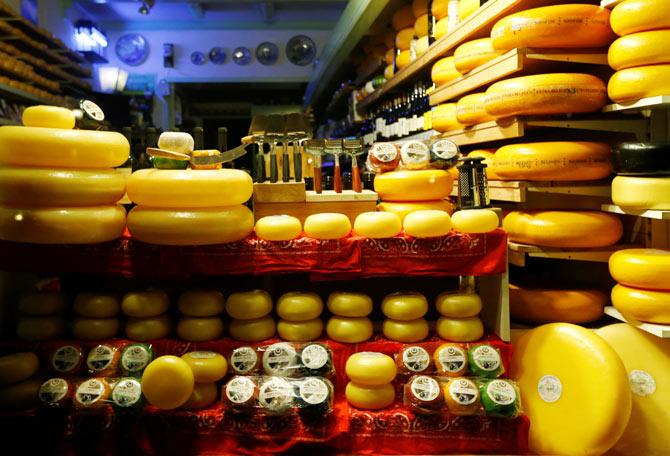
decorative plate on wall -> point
(132, 49)
(242, 56)
(267, 53)
(198, 58)
(217, 55)
(301, 50)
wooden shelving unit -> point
(517, 191)
(662, 331)
(658, 102)
(657, 215)
(20, 95)
(517, 253)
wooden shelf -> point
(610, 3)
(517, 191)
(20, 95)
(659, 102)
(657, 330)
(658, 215)
(517, 253)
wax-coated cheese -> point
(421, 45)
(500, 398)
(145, 303)
(648, 269)
(645, 305)
(19, 396)
(176, 141)
(565, 371)
(641, 193)
(466, 329)
(421, 185)
(327, 225)
(389, 57)
(421, 25)
(472, 54)
(17, 367)
(377, 225)
(42, 303)
(461, 396)
(485, 361)
(369, 397)
(48, 116)
(252, 330)
(634, 16)
(444, 118)
(402, 18)
(38, 329)
(278, 228)
(207, 366)
(127, 394)
(55, 392)
(471, 109)
(639, 82)
(66, 359)
(300, 331)
(388, 72)
(406, 331)
(444, 71)
(247, 305)
(639, 49)
(199, 329)
(148, 328)
(168, 382)
(92, 395)
(489, 160)
(543, 305)
(135, 358)
(299, 306)
(96, 305)
(475, 220)
(404, 38)
(401, 209)
(403, 59)
(103, 360)
(426, 224)
(204, 395)
(451, 360)
(348, 304)
(458, 304)
(95, 328)
(349, 330)
(413, 359)
(370, 368)
(405, 305)
(201, 303)
(423, 394)
(438, 8)
(441, 27)
(244, 360)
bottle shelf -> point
(657, 330)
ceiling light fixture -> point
(146, 7)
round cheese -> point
(207, 366)
(403, 59)
(95, 328)
(349, 330)
(443, 118)
(41, 303)
(438, 8)
(441, 27)
(421, 25)
(280, 359)
(458, 304)
(485, 361)
(402, 209)
(48, 117)
(406, 331)
(127, 394)
(66, 359)
(413, 359)
(541, 305)
(20, 396)
(276, 395)
(641, 193)
(252, 330)
(168, 382)
(645, 158)
(471, 110)
(92, 394)
(389, 56)
(240, 393)
(17, 367)
(370, 368)
(388, 71)
(367, 397)
(317, 359)
(148, 328)
(176, 141)
(634, 16)
(299, 306)
(648, 269)
(489, 160)
(197, 329)
(426, 224)
(327, 225)
(55, 392)
(639, 49)
(451, 360)
(422, 185)
(95, 305)
(201, 303)
(204, 395)
(39, 329)
(135, 358)
(404, 38)
(383, 157)
(348, 304)
(278, 228)
(247, 305)
(244, 360)
(475, 220)
(500, 398)
(444, 71)
(300, 331)
(405, 305)
(472, 54)
(421, 45)
(462, 397)
(145, 303)
(402, 18)
(466, 329)
(423, 394)
(640, 82)
(414, 155)
(643, 305)
(103, 361)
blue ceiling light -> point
(90, 41)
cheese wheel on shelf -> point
(458, 304)
(389, 56)
(95, 328)
(641, 158)
(467, 7)
(421, 45)
(403, 59)
(569, 229)
(444, 71)
(41, 303)
(388, 72)
(204, 395)
(438, 8)
(472, 54)
(207, 366)
(471, 110)
(201, 303)
(644, 305)
(252, 330)
(199, 329)
(554, 27)
(377, 225)
(371, 368)
(20, 396)
(406, 331)
(641, 193)
(167, 382)
(444, 118)
(59, 148)
(348, 304)
(441, 28)
(247, 305)
(402, 18)
(564, 371)
(300, 331)
(148, 328)
(203, 226)
(426, 224)
(489, 160)
(327, 225)
(421, 25)
(17, 367)
(405, 305)
(145, 303)
(554, 93)
(546, 305)
(640, 82)
(404, 38)
(62, 225)
(475, 220)
(278, 228)
(421, 185)
(639, 49)
(648, 269)
(299, 306)
(634, 16)
(401, 209)
(38, 329)
(96, 305)
(467, 329)
(48, 117)
(369, 397)
(349, 330)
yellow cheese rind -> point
(48, 117)
(41, 303)
(247, 305)
(252, 330)
(201, 303)
(371, 368)
(167, 382)
(403, 59)
(377, 225)
(634, 16)
(348, 304)
(349, 330)
(204, 395)
(458, 305)
(422, 185)
(471, 110)
(426, 224)
(299, 306)
(640, 49)
(444, 71)
(207, 366)
(467, 329)
(96, 305)
(388, 72)
(406, 331)
(489, 158)
(444, 118)
(300, 331)
(648, 269)
(199, 329)
(421, 24)
(643, 305)
(404, 38)
(421, 45)
(472, 54)
(369, 397)
(401, 209)
(327, 225)
(145, 303)
(95, 328)
(405, 305)
(39, 329)
(143, 329)
(17, 367)
(639, 82)
(278, 228)
(542, 305)
(475, 220)
(20, 396)
(641, 193)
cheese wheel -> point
(349, 330)
(451, 360)
(20, 396)
(389, 71)
(406, 331)
(176, 141)
(62, 225)
(103, 361)
(647, 361)
(148, 328)
(467, 7)
(207, 366)
(244, 360)
(404, 38)
(17, 367)
(299, 306)
(59, 148)
(421, 45)
(49, 117)
(460, 329)
(423, 394)
(569, 229)
(402, 18)
(367, 397)
(413, 359)
(421, 185)
(438, 8)
(389, 56)
(190, 227)
(489, 160)
(441, 28)
(135, 358)
(475, 220)
(648, 269)
(204, 395)
(472, 54)
(643, 305)
(278, 228)
(555, 93)
(145, 303)
(370, 368)
(300, 331)
(403, 59)
(565, 371)
(348, 304)
(252, 330)
(405, 305)
(66, 359)
(458, 304)
(444, 71)
(168, 382)
(640, 82)
(634, 16)
(327, 225)
(176, 188)
(38, 329)
(471, 110)
(641, 159)
(462, 397)
(541, 305)
(197, 329)
(421, 25)
(401, 209)
(556, 27)
(444, 118)
(425, 224)
(641, 193)
(377, 225)
(41, 303)
(639, 49)
(24, 186)
(201, 303)
(55, 392)
(247, 305)
(95, 328)
(96, 305)
(554, 161)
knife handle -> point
(297, 166)
(285, 167)
(260, 166)
(337, 178)
(317, 179)
(274, 173)
(356, 184)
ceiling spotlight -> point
(146, 7)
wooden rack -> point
(657, 330)
(517, 191)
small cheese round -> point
(460, 329)
(42, 303)
(299, 306)
(458, 305)
(315, 396)
(103, 360)
(407, 331)
(377, 225)
(145, 303)
(20, 396)
(254, 330)
(370, 368)
(348, 304)
(317, 359)
(500, 398)
(240, 393)
(280, 359)
(201, 303)
(404, 305)
(247, 305)
(428, 223)
(278, 228)
(149, 328)
(168, 382)
(475, 220)
(327, 225)
(244, 360)
(127, 394)
(349, 330)
(135, 358)
(55, 392)
(204, 395)
(424, 394)
(39, 329)
(95, 328)
(413, 359)
(176, 141)
(17, 367)
(451, 360)
(96, 305)
(92, 394)
(368, 397)
(66, 359)
(48, 117)
(485, 361)
(276, 395)
(207, 366)
(462, 397)
(300, 331)
(196, 329)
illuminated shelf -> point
(517, 191)
(517, 253)
(657, 330)
(658, 102)
(658, 215)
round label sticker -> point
(463, 391)
(425, 388)
(66, 358)
(135, 358)
(486, 358)
(641, 383)
(90, 392)
(314, 356)
(202, 354)
(243, 360)
(444, 149)
(414, 153)
(276, 394)
(279, 358)
(240, 390)
(501, 392)
(415, 359)
(452, 359)
(384, 152)
(314, 391)
(549, 388)
(92, 110)
(127, 392)
(53, 390)
(100, 357)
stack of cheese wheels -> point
(640, 57)
(405, 320)
(250, 311)
(168, 382)
(403, 24)
(147, 312)
(299, 314)
(459, 320)
(58, 185)
(552, 305)
(41, 316)
(643, 289)
(96, 316)
(371, 376)
(208, 367)
(201, 315)
(643, 176)
(18, 385)
(444, 71)
(349, 323)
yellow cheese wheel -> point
(300, 331)
(371, 368)
(542, 305)
(278, 228)
(425, 224)
(489, 160)
(472, 54)
(24, 186)
(389, 56)
(199, 329)
(405, 305)
(402, 18)
(467, 7)
(167, 382)
(148, 328)
(641, 193)
(403, 59)
(640, 82)
(467, 329)
(59, 148)
(176, 141)
(145, 303)
(252, 330)
(38, 329)
(565, 371)
(557, 27)
(563, 228)
(49, 117)
(475, 220)
(62, 225)
(648, 269)
(207, 366)
(349, 330)
(458, 304)
(204, 395)
(404, 38)
(377, 225)
(19, 396)
(555, 93)
(17, 367)
(202, 226)
(369, 397)
(299, 306)
(406, 331)
(95, 328)
(441, 28)
(471, 110)
(644, 305)
(327, 225)
(388, 72)
(634, 16)
(421, 25)
(247, 305)
(96, 305)
(639, 49)
(41, 303)
(421, 185)
(401, 209)
(444, 118)
(348, 304)
(438, 8)
(201, 303)
(647, 362)
(444, 71)
(421, 45)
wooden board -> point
(600, 254)
(329, 196)
(657, 330)
(517, 191)
(280, 192)
(658, 215)
(494, 291)
(301, 210)
(659, 102)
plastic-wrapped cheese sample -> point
(300, 331)
(244, 360)
(645, 305)
(634, 16)
(383, 157)
(413, 359)
(500, 398)
(207, 366)
(369, 397)
(96, 305)
(485, 361)
(204, 395)
(168, 382)
(460, 329)
(95, 328)
(648, 269)
(17, 367)
(401, 209)
(42, 303)
(348, 304)
(176, 141)
(451, 360)
(278, 228)
(327, 225)
(405, 305)
(444, 71)
(299, 306)
(55, 392)
(201, 303)
(59, 148)
(641, 193)
(639, 49)
(66, 359)
(414, 155)
(475, 220)
(472, 54)
(252, 330)
(458, 304)
(426, 224)
(639, 82)
(135, 358)
(48, 117)
(370, 368)
(423, 394)
(22, 395)
(62, 225)
(148, 328)
(563, 228)
(564, 371)
(202, 226)
(402, 18)
(145, 303)
(471, 109)
(240, 393)
(406, 331)
(542, 305)
(404, 38)
(103, 360)
(280, 359)
(444, 118)
(38, 329)
(349, 330)
(462, 397)
(422, 185)
(247, 305)
(196, 329)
